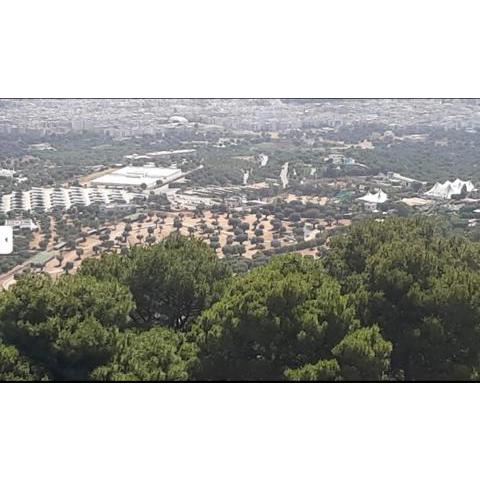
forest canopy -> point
(388, 301)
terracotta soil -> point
(162, 230)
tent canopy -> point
(379, 197)
(447, 189)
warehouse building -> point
(148, 175)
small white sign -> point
(6, 240)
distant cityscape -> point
(124, 118)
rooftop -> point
(135, 176)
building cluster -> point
(41, 199)
(120, 118)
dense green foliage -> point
(69, 326)
(155, 355)
(421, 287)
(391, 300)
(284, 315)
(15, 367)
(172, 282)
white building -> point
(46, 199)
(177, 119)
(162, 154)
(405, 181)
(136, 176)
(6, 173)
(22, 224)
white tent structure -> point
(379, 197)
(447, 189)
